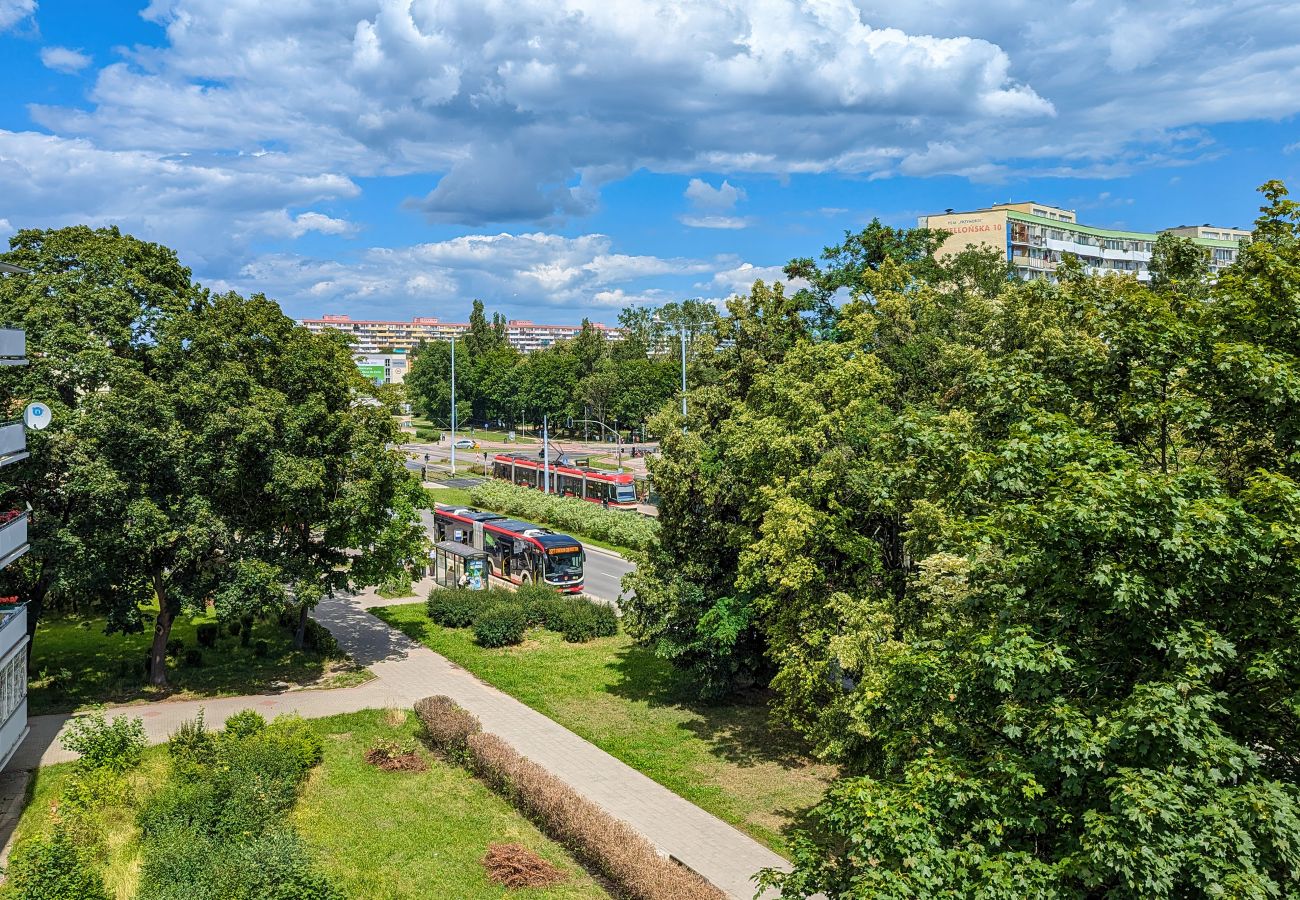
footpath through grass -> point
(76, 665)
(726, 758)
(378, 835)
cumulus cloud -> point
(64, 59)
(532, 274)
(521, 110)
(726, 222)
(14, 11)
(705, 196)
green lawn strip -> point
(398, 835)
(727, 758)
(459, 497)
(75, 665)
(381, 835)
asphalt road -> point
(602, 574)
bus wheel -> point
(524, 580)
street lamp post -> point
(683, 378)
(453, 406)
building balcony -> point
(1030, 262)
(13, 347)
(13, 536)
(13, 442)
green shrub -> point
(207, 633)
(261, 649)
(191, 741)
(193, 658)
(459, 607)
(115, 745)
(244, 723)
(175, 647)
(317, 637)
(582, 620)
(295, 736)
(234, 628)
(52, 868)
(621, 527)
(500, 625)
(273, 865)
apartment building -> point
(13, 544)
(373, 337)
(1035, 237)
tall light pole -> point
(546, 455)
(453, 407)
(683, 378)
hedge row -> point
(622, 527)
(499, 617)
(605, 843)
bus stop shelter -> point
(459, 565)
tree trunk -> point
(300, 633)
(35, 609)
(162, 632)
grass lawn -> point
(726, 758)
(403, 835)
(379, 835)
(77, 665)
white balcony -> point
(13, 442)
(13, 347)
(13, 539)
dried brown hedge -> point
(446, 725)
(516, 866)
(607, 844)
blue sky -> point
(561, 159)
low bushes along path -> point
(406, 671)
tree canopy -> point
(203, 450)
(1020, 556)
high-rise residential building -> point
(1035, 236)
(13, 544)
(372, 336)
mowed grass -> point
(403, 835)
(726, 758)
(75, 665)
(379, 835)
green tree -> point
(91, 307)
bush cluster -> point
(447, 726)
(52, 867)
(115, 746)
(216, 826)
(608, 845)
(621, 527)
(500, 617)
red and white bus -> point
(518, 552)
(613, 489)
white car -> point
(465, 444)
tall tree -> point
(91, 308)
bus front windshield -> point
(566, 564)
(626, 493)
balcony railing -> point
(13, 442)
(13, 347)
(13, 536)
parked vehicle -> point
(465, 444)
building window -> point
(13, 684)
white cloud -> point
(726, 222)
(738, 279)
(519, 110)
(14, 11)
(64, 59)
(531, 274)
(705, 196)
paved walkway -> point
(407, 671)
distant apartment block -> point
(371, 336)
(1035, 238)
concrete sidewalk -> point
(407, 671)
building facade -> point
(374, 336)
(13, 545)
(383, 368)
(1035, 237)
